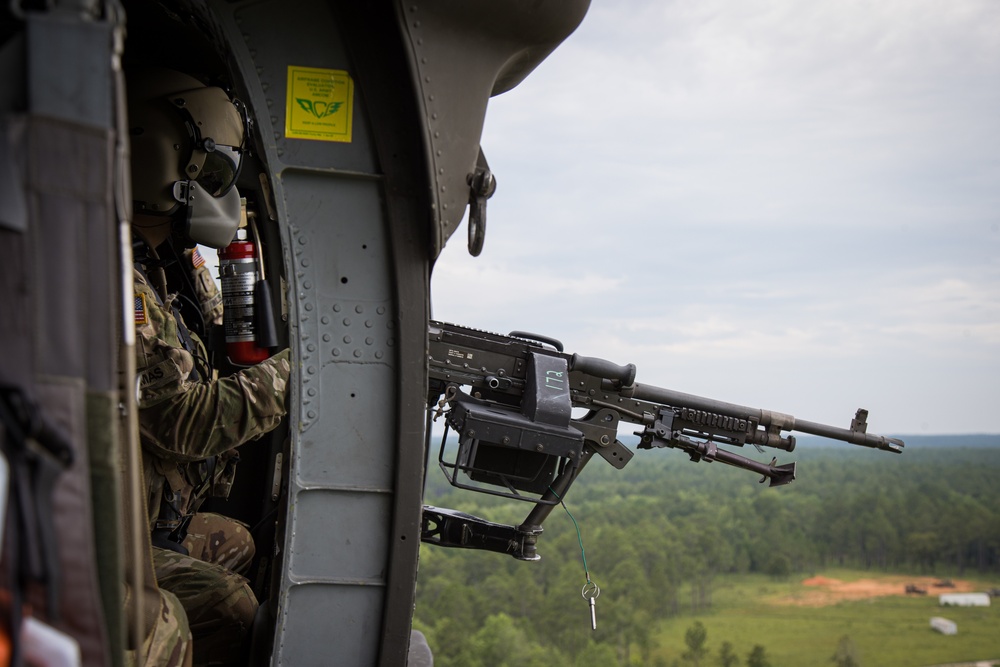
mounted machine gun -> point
(517, 436)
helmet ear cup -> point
(157, 138)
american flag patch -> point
(197, 259)
(140, 309)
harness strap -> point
(144, 259)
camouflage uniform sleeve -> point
(189, 420)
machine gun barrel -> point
(773, 421)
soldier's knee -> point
(242, 605)
(221, 540)
(227, 640)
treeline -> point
(664, 528)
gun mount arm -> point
(449, 528)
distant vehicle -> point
(915, 590)
(964, 600)
(944, 583)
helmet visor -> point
(222, 166)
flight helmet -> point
(187, 142)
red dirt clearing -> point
(823, 591)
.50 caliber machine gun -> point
(517, 436)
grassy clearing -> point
(887, 631)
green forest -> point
(665, 537)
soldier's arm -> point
(209, 418)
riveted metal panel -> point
(330, 452)
(342, 634)
(334, 208)
(280, 34)
(347, 538)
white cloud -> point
(735, 194)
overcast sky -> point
(789, 205)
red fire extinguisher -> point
(247, 316)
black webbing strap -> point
(143, 260)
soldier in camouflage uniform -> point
(191, 421)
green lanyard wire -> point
(579, 536)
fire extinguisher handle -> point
(265, 333)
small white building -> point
(944, 626)
(964, 600)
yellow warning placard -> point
(320, 104)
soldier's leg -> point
(218, 539)
(168, 642)
(219, 603)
